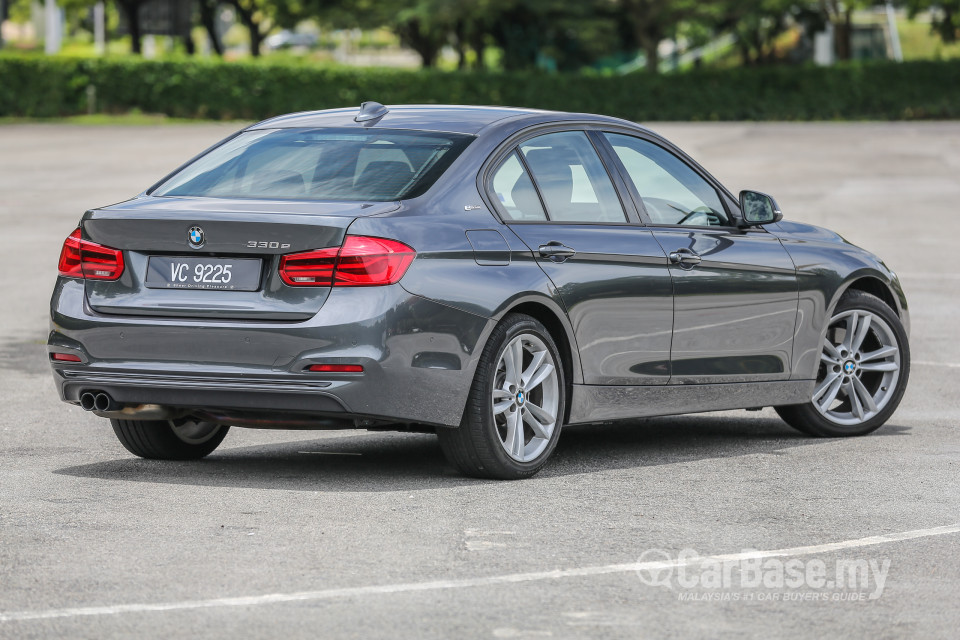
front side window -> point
(320, 164)
(672, 192)
(573, 182)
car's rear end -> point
(235, 293)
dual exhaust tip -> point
(102, 404)
(97, 401)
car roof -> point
(428, 117)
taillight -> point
(310, 268)
(367, 262)
(81, 258)
(360, 262)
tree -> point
(756, 24)
(260, 16)
(519, 30)
(207, 10)
(944, 16)
(131, 13)
(426, 27)
(839, 13)
(253, 14)
(567, 34)
(652, 21)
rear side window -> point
(515, 191)
(573, 182)
(320, 164)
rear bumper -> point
(133, 387)
(418, 358)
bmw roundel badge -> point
(195, 237)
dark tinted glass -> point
(320, 164)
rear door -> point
(555, 193)
(735, 304)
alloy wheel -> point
(526, 397)
(859, 368)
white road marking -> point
(483, 545)
(929, 276)
(927, 363)
(439, 585)
(331, 453)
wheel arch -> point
(820, 297)
(875, 287)
(886, 287)
(559, 328)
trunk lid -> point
(231, 232)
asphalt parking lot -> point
(357, 534)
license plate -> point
(222, 274)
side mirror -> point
(758, 209)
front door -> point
(735, 290)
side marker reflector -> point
(336, 368)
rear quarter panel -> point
(446, 269)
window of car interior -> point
(569, 178)
(319, 164)
(671, 191)
(513, 189)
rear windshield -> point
(320, 164)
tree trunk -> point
(744, 52)
(253, 28)
(478, 46)
(428, 55)
(652, 53)
(843, 36)
(131, 9)
(420, 40)
(208, 18)
(645, 20)
(252, 25)
(4, 9)
(459, 33)
(764, 52)
(520, 34)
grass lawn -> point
(918, 43)
(133, 118)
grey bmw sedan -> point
(484, 273)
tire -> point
(853, 372)
(487, 444)
(169, 439)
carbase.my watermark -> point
(739, 576)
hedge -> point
(38, 86)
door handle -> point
(556, 251)
(685, 258)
